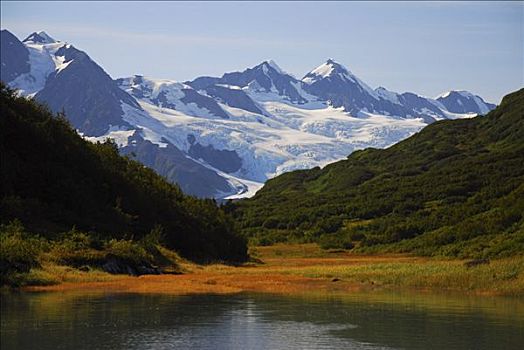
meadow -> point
(306, 268)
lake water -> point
(254, 321)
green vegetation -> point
(19, 253)
(53, 181)
(454, 189)
(28, 259)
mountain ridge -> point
(252, 124)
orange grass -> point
(304, 268)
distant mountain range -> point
(223, 137)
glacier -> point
(244, 127)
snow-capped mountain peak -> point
(265, 78)
(275, 66)
(322, 71)
(333, 76)
(447, 93)
(462, 93)
(391, 96)
(222, 136)
(40, 37)
(270, 65)
(328, 69)
(337, 67)
(461, 101)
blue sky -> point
(426, 47)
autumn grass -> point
(504, 277)
(306, 269)
(394, 271)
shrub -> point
(128, 250)
(153, 239)
(18, 252)
(76, 249)
(328, 241)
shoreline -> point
(305, 268)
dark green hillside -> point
(455, 188)
(52, 180)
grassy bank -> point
(73, 256)
(501, 276)
(305, 268)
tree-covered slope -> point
(52, 180)
(455, 188)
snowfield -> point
(261, 122)
(288, 137)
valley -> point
(166, 184)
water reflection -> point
(249, 321)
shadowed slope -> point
(52, 180)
